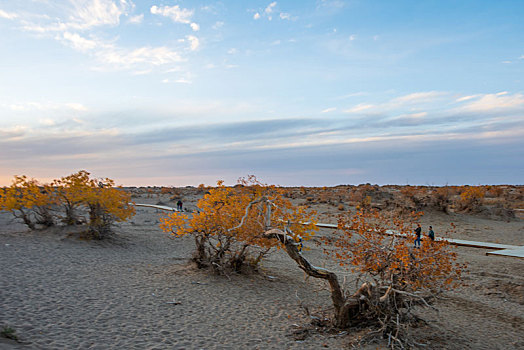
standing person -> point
(179, 205)
(418, 232)
(431, 234)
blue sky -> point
(329, 92)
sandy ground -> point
(139, 291)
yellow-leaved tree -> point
(107, 204)
(72, 191)
(229, 224)
(30, 201)
(76, 194)
(394, 276)
(471, 198)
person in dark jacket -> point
(418, 232)
(431, 234)
(179, 205)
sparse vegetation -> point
(228, 225)
(9, 333)
(240, 224)
(41, 204)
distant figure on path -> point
(179, 205)
(431, 234)
(418, 232)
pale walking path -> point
(161, 207)
(502, 249)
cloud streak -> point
(285, 133)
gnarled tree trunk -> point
(345, 307)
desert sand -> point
(139, 290)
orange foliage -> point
(72, 190)
(472, 193)
(166, 190)
(471, 198)
(29, 200)
(391, 261)
(104, 202)
(227, 228)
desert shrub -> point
(201, 189)
(166, 190)
(411, 197)
(107, 205)
(394, 277)
(495, 191)
(72, 191)
(440, 199)
(8, 332)
(29, 201)
(471, 198)
(362, 196)
(303, 191)
(76, 193)
(228, 225)
(104, 203)
(324, 197)
(364, 203)
(288, 193)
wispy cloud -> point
(74, 26)
(96, 13)
(327, 110)
(78, 43)
(270, 11)
(416, 100)
(175, 13)
(419, 97)
(43, 106)
(12, 132)
(218, 25)
(136, 19)
(359, 108)
(194, 42)
(79, 15)
(347, 96)
(7, 15)
(127, 59)
(334, 4)
(270, 8)
(466, 98)
(501, 101)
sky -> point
(312, 92)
